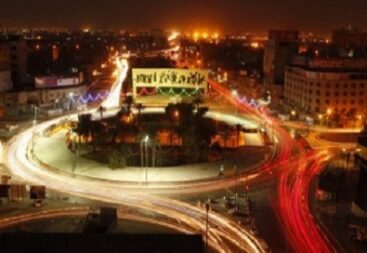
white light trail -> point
(113, 100)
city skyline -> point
(222, 16)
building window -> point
(362, 85)
(336, 94)
(327, 94)
(345, 85)
(354, 85)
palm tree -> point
(101, 110)
(197, 101)
(129, 101)
(139, 107)
(84, 127)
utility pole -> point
(207, 207)
(34, 127)
(236, 185)
(146, 140)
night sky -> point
(231, 15)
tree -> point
(129, 101)
(84, 126)
(197, 101)
(139, 107)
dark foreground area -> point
(133, 243)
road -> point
(225, 235)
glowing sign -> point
(170, 78)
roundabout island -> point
(146, 146)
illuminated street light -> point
(329, 111)
(146, 140)
(293, 113)
(34, 127)
(234, 92)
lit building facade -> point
(328, 87)
(41, 96)
(359, 207)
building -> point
(328, 88)
(18, 61)
(6, 83)
(279, 50)
(359, 207)
(43, 96)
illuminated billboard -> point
(169, 78)
(54, 81)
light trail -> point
(113, 99)
(302, 230)
(295, 172)
(226, 235)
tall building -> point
(359, 207)
(278, 52)
(18, 61)
(326, 87)
(5, 70)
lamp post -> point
(71, 95)
(207, 208)
(146, 140)
(328, 114)
(236, 185)
(320, 117)
(294, 114)
(177, 116)
(34, 127)
(234, 93)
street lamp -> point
(177, 116)
(236, 185)
(34, 127)
(329, 111)
(146, 140)
(234, 93)
(320, 117)
(207, 208)
(71, 100)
